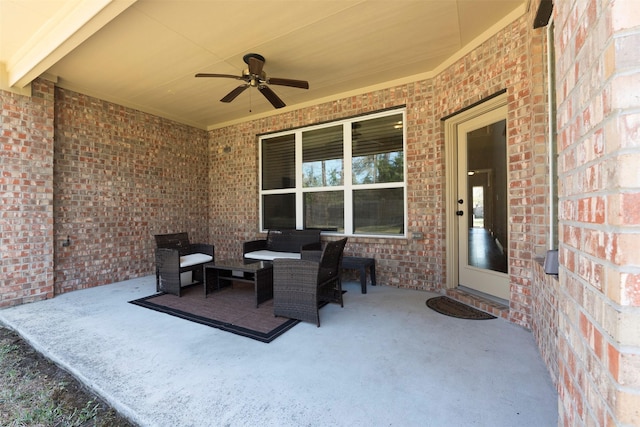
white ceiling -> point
(144, 54)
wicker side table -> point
(361, 264)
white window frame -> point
(348, 187)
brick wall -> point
(409, 263)
(520, 70)
(598, 76)
(545, 291)
(118, 176)
(26, 195)
(121, 176)
(234, 187)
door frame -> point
(451, 175)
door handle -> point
(459, 213)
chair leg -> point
(333, 292)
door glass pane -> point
(487, 192)
(478, 206)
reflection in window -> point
(345, 177)
(279, 211)
(322, 157)
(379, 211)
(279, 155)
(324, 210)
(377, 150)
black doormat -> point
(453, 308)
(232, 309)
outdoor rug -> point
(232, 309)
(453, 308)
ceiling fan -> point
(254, 76)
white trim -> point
(75, 22)
(348, 187)
(451, 168)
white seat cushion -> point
(265, 255)
(193, 259)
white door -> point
(481, 202)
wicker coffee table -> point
(260, 273)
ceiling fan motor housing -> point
(254, 79)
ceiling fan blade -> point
(228, 76)
(302, 84)
(255, 65)
(234, 93)
(271, 97)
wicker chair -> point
(301, 285)
(175, 255)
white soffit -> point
(144, 54)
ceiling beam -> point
(67, 29)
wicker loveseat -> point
(282, 244)
(176, 255)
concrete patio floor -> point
(385, 359)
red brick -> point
(27, 175)
(598, 168)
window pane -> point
(279, 211)
(369, 201)
(378, 211)
(324, 211)
(279, 162)
(322, 157)
(377, 150)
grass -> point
(36, 392)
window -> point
(345, 177)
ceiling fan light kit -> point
(254, 76)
